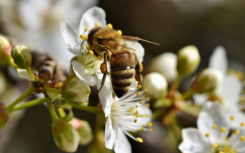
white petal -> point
(138, 49)
(109, 133)
(70, 37)
(83, 74)
(92, 15)
(211, 114)
(105, 95)
(121, 142)
(193, 141)
(22, 73)
(200, 99)
(218, 60)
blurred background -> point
(172, 23)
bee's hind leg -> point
(103, 69)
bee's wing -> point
(131, 38)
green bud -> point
(207, 81)
(21, 56)
(84, 130)
(76, 91)
(65, 136)
(5, 51)
(188, 60)
(155, 84)
(4, 116)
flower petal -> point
(109, 133)
(70, 37)
(218, 60)
(193, 141)
(83, 74)
(22, 73)
(200, 99)
(211, 114)
(92, 15)
(138, 49)
(121, 142)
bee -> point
(124, 65)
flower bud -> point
(76, 91)
(65, 136)
(4, 116)
(207, 81)
(188, 60)
(21, 56)
(84, 130)
(166, 65)
(5, 51)
(156, 85)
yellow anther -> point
(97, 24)
(139, 139)
(146, 89)
(227, 138)
(240, 75)
(143, 98)
(84, 37)
(138, 93)
(221, 152)
(91, 52)
(242, 138)
(236, 132)
(146, 115)
(99, 58)
(242, 124)
(207, 135)
(86, 29)
(142, 129)
(230, 71)
(131, 110)
(151, 129)
(136, 106)
(148, 105)
(141, 102)
(137, 112)
(143, 125)
(214, 145)
(88, 47)
(139, 86)
(232, 118)
(215, 126)
(119, 32)
(223, 129)
(109, 26)
(150, 124)
(148, 98)
(135, 121)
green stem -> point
(174, 86)
(174, 125)
(22, 97)
(85, 108)
(157, 114)
(188, 94)
(53, 114)
(29, 71)
(11, 63)
(49, 89)
(30, 104)
(61, 112)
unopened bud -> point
(188, 60)
(84, 130)
(156, 85)
(76, 91)
(65, 136)
(4, 116)
(207, 81)
(21, 56)
(5, 51)
(166, 65)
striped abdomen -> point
(122, 72)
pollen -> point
(138, 93)
(148, 105)
(88, 47)
(239, 75)
(119, 32)
(143, 98)
(136, 106)
(242, 138)
(214, 126)
(214, 145)
(150, 124)
(135, 121)
(84, 37)
(232, 118)
(146, 115)
(146, 89)
(221, 152)
(148, 98)
(97, 24)
(91, 52)
(139, 86)
(236, 132)
(86, 29)
(109, 26)
(223, 129)
(99, 58)
(142, 129)
(131, 110)
(139, 139)
(137, 112)
(242, 124)
(141, 102)
(151, 129)
(207, 135)
(143, 125)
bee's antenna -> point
(137, 39)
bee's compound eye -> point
(99, 40)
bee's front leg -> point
(103, 69)
(138, 69)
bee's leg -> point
(103, 69)
(138, 69)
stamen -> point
(143, 125)
(236, 132)
(148, 98)
(99, 58)
(137, 112)
(109, 26)
(88, 47)
(214, 126)
(86, 29)
(242, 124)
(150, 124)
(221, 152)
(139, 86)
(223, 129)
(131, 110)
(136, 106)
(119, 32)
(142, 129)
(135, 121)
(84, 37)
(207, 135)
(91, 52)
(214, 145)
(139, 139)
(146, 115)
(151, 129)
(230, 71)
(240, 75)
(146, 89)
(148, 105)
(232, 118)
(97, 24)
(143, 98)
(138, 93)
(141, 102)
(242, 138)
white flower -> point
(212, 135)
(86, 66)
(128, 114)
(229, 89)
